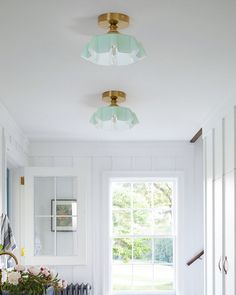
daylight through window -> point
(143, 235)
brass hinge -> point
(22, 180)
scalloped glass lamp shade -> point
(113, 49)
(114, 117)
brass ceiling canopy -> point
(112, 21)
(114, 96)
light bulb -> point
(114, 119)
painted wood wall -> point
(133, 156)
(220, 213)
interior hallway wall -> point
(131, 156)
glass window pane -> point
(142, 209)
(142, 277)
(163, 251)
(164, 268)
(121, 222)
(121, 277)
(44, 192)
(121, 197)
(66, 187)
(142, 222)
(162, 194)
(43, 236)
(142, 195)
(164, 276)
(67, 243)
(142, 250)
(162, 221)
(122, 250)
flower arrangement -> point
(31, 281)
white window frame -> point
(27, 234)
(108, 177)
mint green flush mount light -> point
(113, 48)
(114, 117)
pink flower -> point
(45, 272)
(53, 273)
(19, 267)
(62, 284)
(13, 277)
(34, 270)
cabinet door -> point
(209, 216)
(229, 260)
(218, 236)
(54, 216)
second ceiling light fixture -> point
(113, 48)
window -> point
(143, 235)
(54, 216)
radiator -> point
(76, 289)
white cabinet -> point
(220, 209)
(218, 237)
(209, 217)
(54, 216)
(229, 234)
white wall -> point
(132, 156)
(13, 148)
(220, 218)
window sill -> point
(143, 293)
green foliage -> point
(122, 222)
(30, 284)
(142, 196)
(162, 194)
(143, 249)
(122, 249)
(164, 250)
(121, 196)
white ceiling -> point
(51, 92)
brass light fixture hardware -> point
(113, 116)
(22, 180)
(113, 48)
(112, 21)
(114, 97)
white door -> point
(218, 236)
(229, 259)
(209, 217)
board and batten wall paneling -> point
(136, 157)
(220, 209)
